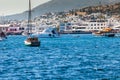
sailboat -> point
(31, 40)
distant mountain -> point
(60, 5)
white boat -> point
(49, 32)
(31, 41)
(13, 31)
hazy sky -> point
(8, 7)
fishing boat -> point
(108, 32)
(31, 40)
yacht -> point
(49, 32)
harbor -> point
(78, 41)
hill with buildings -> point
(62, 5)
(111, 9)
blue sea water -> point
(70, 57)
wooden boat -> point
(108, 32)
(31, 41)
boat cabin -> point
(14, 31)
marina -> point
(60, 40)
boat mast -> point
(29, 17)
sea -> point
(69, 57)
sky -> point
(8, 7)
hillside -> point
(60, 5)
(113, 9)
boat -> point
(108, 32)
(31, 40)
(50, 32)
(85, 27)
(13, 31)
